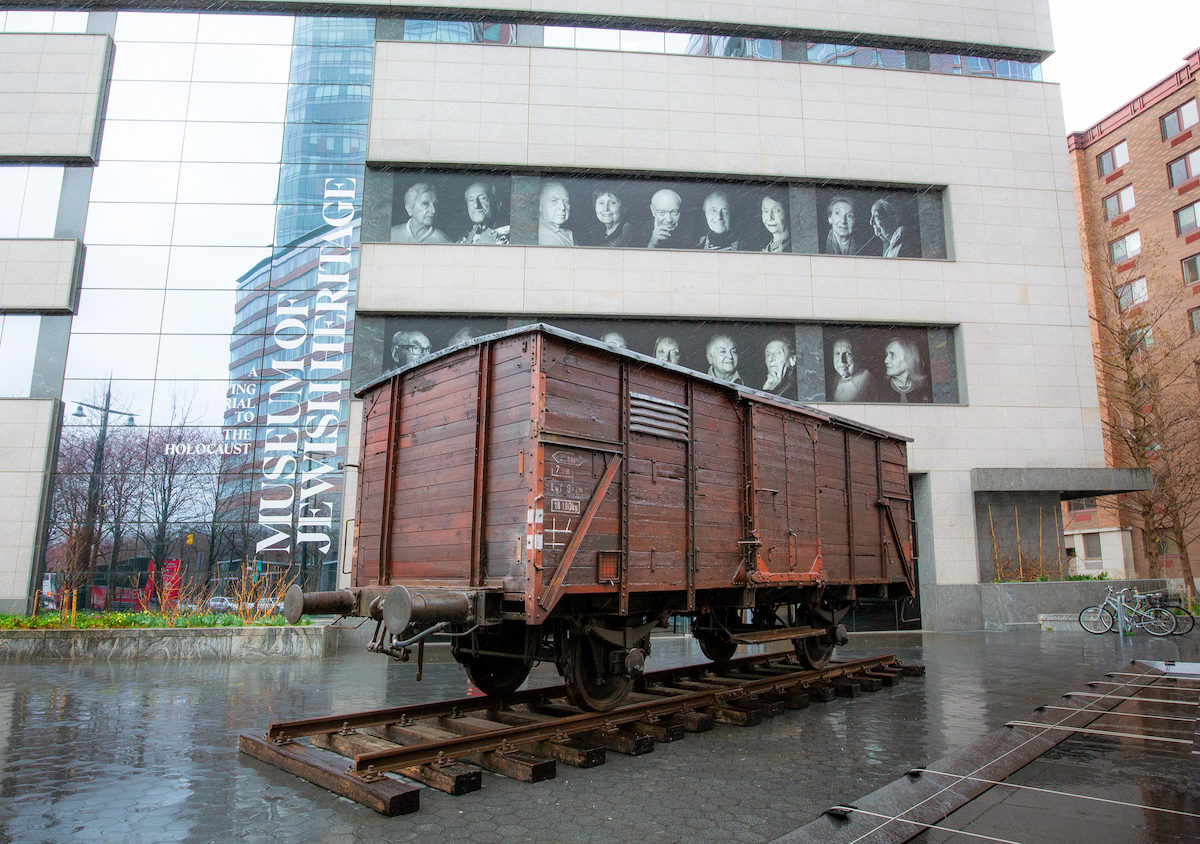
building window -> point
(1116, 204)
(1076, 505)
(1184, 168)
(1091, 546)
(1133, 293)
(1111, 159)
(1191, 269)
(1186, 218)
(1194, 320)
(1179, 119)
(1124, 248)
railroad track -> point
(446, 745)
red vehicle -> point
(133, 586)
(548, 497)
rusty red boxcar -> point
(541, 495)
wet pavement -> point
(146, 751)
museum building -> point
(218, 225)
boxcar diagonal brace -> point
(557, 584)
(886, 504)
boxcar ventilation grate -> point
(660, 417)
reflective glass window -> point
(194, 356)
(1180, 119)
(153, 61)
(1194, 320)
(245, 29)
(143, 181)
(1111, 159)
(241, 63)
(331, 65)
(157, 26)
(1118, 203)
(113, 311)
(1184, 168)
(329, 103)
(145, 100)
(237, 101)
(324, 142)
(132, 223)
(330, 30)
(223, 225)
(112, 355)
(1129, 246)
(1133, 293)
(142, 140)
(1191, 269)
(199, 311)
(233, 142)
(212, 267)
(201, 182)
(1186, 218)
(30, 207)
(125, 266)
(18, 343)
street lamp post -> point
(87, 545)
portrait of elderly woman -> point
(905, 373)
(615, 230)
(774, 219)
(421, 205)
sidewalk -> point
(145, 751)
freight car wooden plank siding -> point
(481, 464)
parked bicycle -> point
(1184, 620)
(1136, 610)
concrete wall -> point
(52, 91)
(39, 275)
(27, 434)
(1015, 530)
(1015, 606)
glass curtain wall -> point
(207, 356)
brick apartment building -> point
(1137, 190)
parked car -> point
(222, 603)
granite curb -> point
(168, 643)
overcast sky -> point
(1109, 51)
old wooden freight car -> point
(546, 496)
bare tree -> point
(179, 458)
(1150, 403)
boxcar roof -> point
(581, 340)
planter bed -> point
(306, 642)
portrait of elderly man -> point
(841, 239)
(854, 383)
(781, 368)
(421, 204)
(554, 209)
(410, 347)
(722, 356)
(896, 240)
(664, 209)
(666, 349)
(481, 202)
(613, 338)
(719, 217)
(905, 370)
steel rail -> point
(376, 717)
(504, 740)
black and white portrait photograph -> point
(877, 364)
(492, 209)
(861, 222)
(803, 361)
(431, 207)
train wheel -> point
(496, 676)
(813, 651)
(584, 666)
(714, 646)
